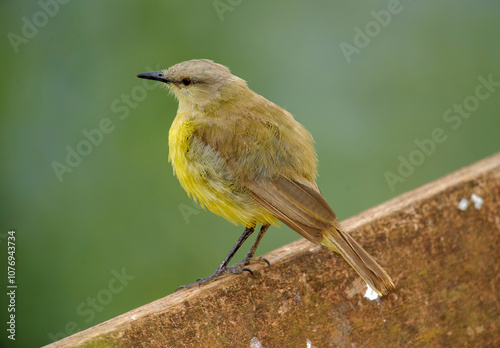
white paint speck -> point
(255, 343)
(370, 293)
(478, 201)
(463, 204)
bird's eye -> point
(186, 82)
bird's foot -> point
(218, 272)
(235, 269)
(238, 268)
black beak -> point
(154, 75)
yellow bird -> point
(248, 160)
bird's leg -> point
(237, 268)
(223, 266)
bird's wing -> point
(298, 204)
(274, 158)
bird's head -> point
(198, 83)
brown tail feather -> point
(371, 272)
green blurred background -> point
(122, 210)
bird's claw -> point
(235, 269)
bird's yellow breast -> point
(204, 174)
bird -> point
(248, 160)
